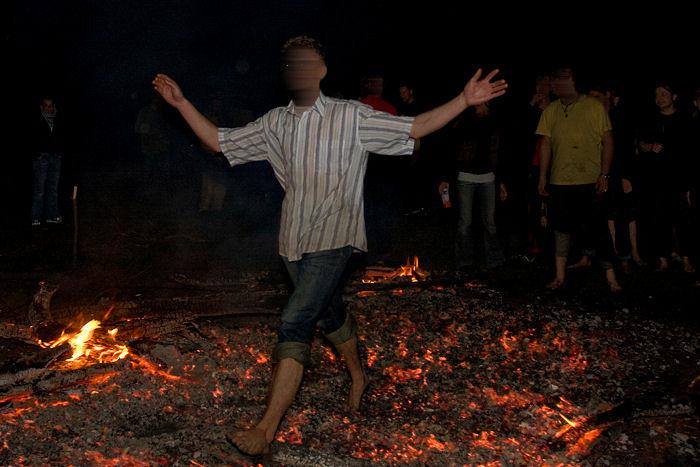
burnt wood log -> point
(43, 380)
(11, 380)
(40, 307)
(151, 327)
(673, 382)
(355, 287)
(190, 307)
(17, 331)
(30, 364)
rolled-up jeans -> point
(316, 300)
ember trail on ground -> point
(460, 375)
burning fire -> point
(89, 349)
(411, 270)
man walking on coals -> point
(317, 147)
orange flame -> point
(410, 269)
(87, 348)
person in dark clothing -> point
(663, 179)
(383, 179)
(417, 172)
(476, 141)
(694, 164)
(536, 209)
(48, 147)
(408, 106)
(621, 201)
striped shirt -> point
(320, 160)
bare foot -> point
(687, 266)
(638, 260)
(556, 284)
(626, 268)
(663, 265)
(612, 281)
(252, 442)
(356, 392)
(584, 262)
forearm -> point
(205, 130)
(607, 156)
(433, 120)
(545, 157)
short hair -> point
(46, 97)
(667, 85)
(303, 42)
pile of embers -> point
(458, 377)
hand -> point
(602, 184)
(166, 87)
(503, 195)
(645, 147)
(542, 187)
(536, 99)
(479, 91)
(626, 186)
(657, 147)
(443, 186)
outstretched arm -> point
(205, 130)
(477, 91)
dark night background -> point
(100, 56)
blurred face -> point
(405, 93)
(303, 69)
(562, 82)
(664, 99)
(48, 106)
(375, 85)
(542, 86)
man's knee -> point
(345, 332)
(299, 351)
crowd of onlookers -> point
(573, 172)
(578, 174)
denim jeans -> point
(47, 170)
(316, 300)
(485, 195)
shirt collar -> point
(319, 105)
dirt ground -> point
(124, 247)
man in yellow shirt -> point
(576, 152)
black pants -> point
(579, 211)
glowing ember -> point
(585, 442)
(366, 293)
(153, 369)
(397, 373)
